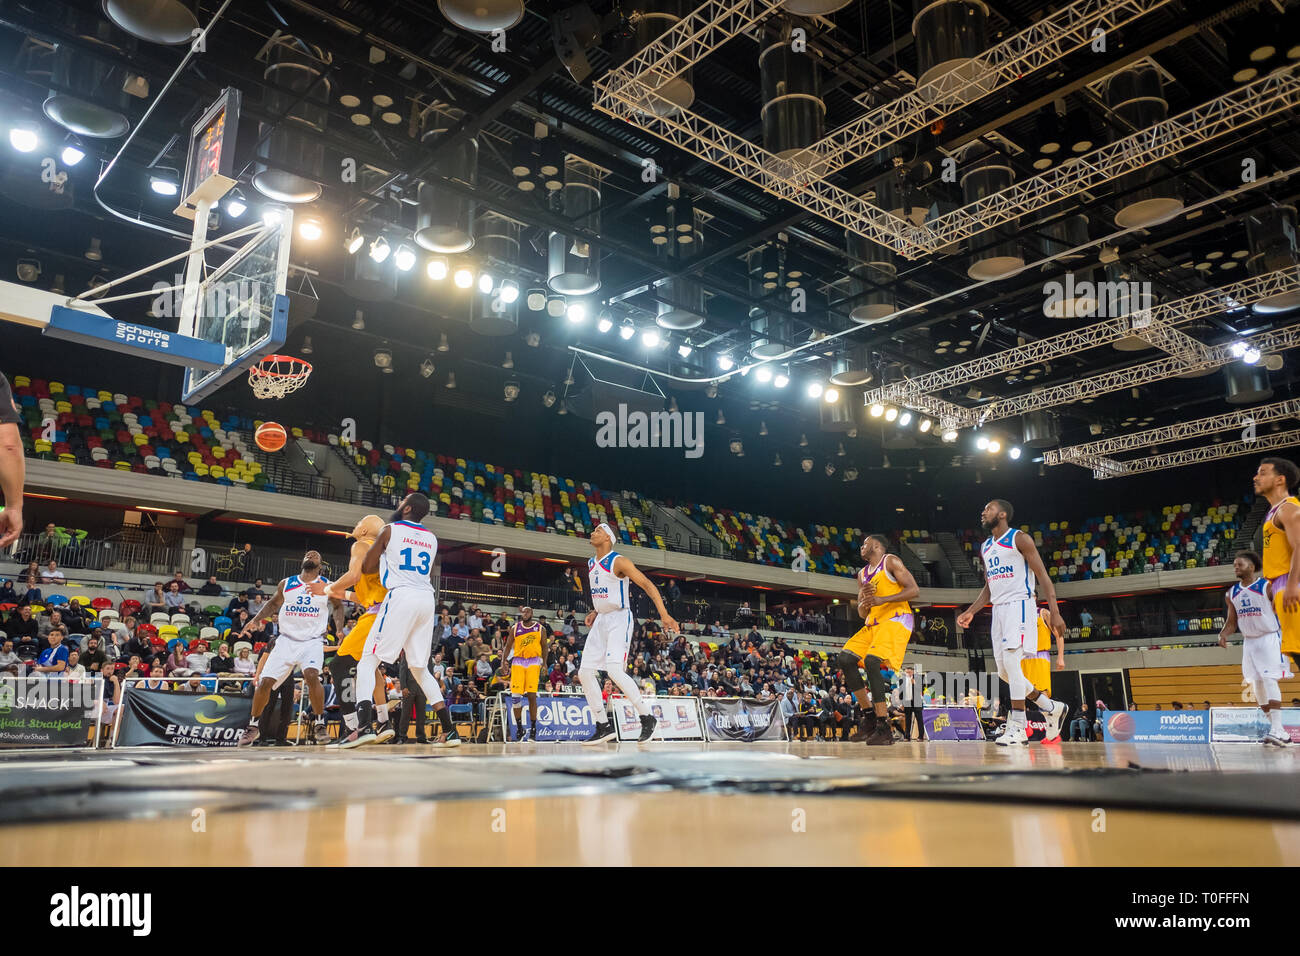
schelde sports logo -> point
(143, 335)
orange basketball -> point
(270, 436)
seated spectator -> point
(198, 657)
(222, 663)
(31, 591)
(54, 620)
(245, 663)
(238, 602)
(94, 656)
(75, 670)
(74, 618)
(1081, 725)
(255, 602)
(157, 600)
(138, 645)
(176, 665)
(52, 574)
(48, 543)
(212, 588)
(256, 591)
(7, 593)
(173, 598)
(135, 667)
(22, 624)
(155, 682)
(53, 660)
(10, 662)
(182, 585)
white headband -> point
(608, 530)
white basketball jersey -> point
(1006, 570)
(1255, 614)
(608, 590)
(303, 616)
(407, 562)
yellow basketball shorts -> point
(884, 639)
(1289, 620)
(523, 679)
(355, 642)
(1038, 671)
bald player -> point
(369, 593)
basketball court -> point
(669, 804)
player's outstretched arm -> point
(1289, 515)
(1025, 545)
(339, 589)
(625, 568)
(340, 619)
(911, 590)
(371, 563)
(270, 607)
(1230, 625)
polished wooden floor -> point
(675, 805)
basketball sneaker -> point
(881, 736)
(1013, 736)
(866, 726)
(385, 732)
(249, 737)
(449, 739)
(321, 733)
(603, 734)
(647, 728)
(1055, 721)
(362, 735)
(1272, 739)
(531, 735)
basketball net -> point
(275, 376)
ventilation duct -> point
(1041, 429)
(1246, 384)
(497, 246)
(482, 16)
(656, 18)
(949, 34)
(1003, 258)
(1136, 98)
(368, 280)
(292, 158)
(85, 99)
(769, 338)
(1273, 246)
(681, 298)
(1126, 293)
(794, 115)
(872, 274)
(850, 367)
(171, 22)
(573, 265)
(1077, 296)
(899, 198)
(443, 222)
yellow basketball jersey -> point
(884, 588)
(528, 641)
(369, 592)
(1044, 636)
(1277, 549)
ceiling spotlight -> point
(840, 450)
(684, 349)
(563, 409)
(383, 358)
(72, 153)
(891, 414)
(354, 243)
(995, 446)
(93, 252)
(236, 207)
(306, 345)
(626, 330)
(1251, 355)
(725, 363)
(904, 419)
(568, 376)
(310, 229)
(485, 282)
(509, 291)
(22, 137)
(536, 299)
(443, 345)
(426, 368)
(722, 420)
(548, 398)
(509, 361)
(379, 249)
(762, 429)
(763, 374)
(781, 380)
(851, 473)
(736, 446)
(533, 339)
(29, 270)
(576, 312)
(272, 216)
(359, 321)
(776, 462)
(877, 410)
(806, 463)
(556, 306)
(1238, 349)
(815, 390)
(605, 323)
(405, 258)
(950, 434)
(437, 268)
(830, 469)
(831, 396)
(451, 380)
(803, 441)
(1015, 454)
(163, 182)
(711, 390)
(925, 425)
(982, 442)
(650, 338)
(463, 277)
(511, 390)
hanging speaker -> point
(170, 22)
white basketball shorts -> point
(287, 654)
(405, 624)
(1261, 658)
(608, 641)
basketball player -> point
(301, 605)
(1276, 481)
(402, 555)
(369, 593)
(1037, 668)
(1251, 612)
(527, 648)
(885, 588)
(610, 623)
(1011, 563)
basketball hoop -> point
(275, 376)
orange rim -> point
(262, 369)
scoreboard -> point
(211, 156)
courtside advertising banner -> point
(559, 717)
(48, 711)
(1156, 726)
(743, 718)
(952, 723)
(179, 719)
(1249, 725)
(678, 718)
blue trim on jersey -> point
(292, 583)
(611, 558)
(622, 589)
(1258, 590)
(1008, 540)
(411, 524)
(383, 614)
